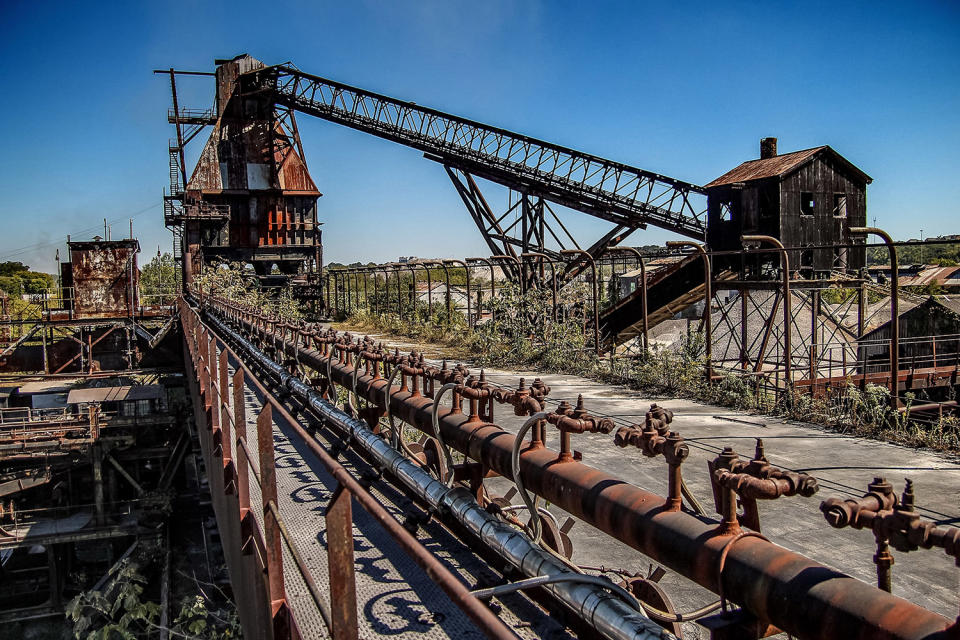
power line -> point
(24, 250)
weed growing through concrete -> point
(522, 329)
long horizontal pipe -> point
(612, 617)
(786, 589)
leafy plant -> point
(115, 612)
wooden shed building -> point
(929, 337)
(807, 199)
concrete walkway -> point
(843, 466)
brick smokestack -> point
(768, 148)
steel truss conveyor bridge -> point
(629, 197)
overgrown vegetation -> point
(946, 255)
(521, 330)
(17, 279)
(159, 279)
(125, 607)
(232, 281)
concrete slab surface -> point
(843, 466)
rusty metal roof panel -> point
(116, 394)
(766, 167)
(934, 275)
(241, 157)
(783, 164)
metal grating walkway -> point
(394, 596)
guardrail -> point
(222, 424)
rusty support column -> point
(343, 586)
(744, 356)
(787, 303)
(708, 300)
(268, 493)
(96, 455)
(43, 338)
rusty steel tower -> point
(250, 197)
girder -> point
(605, 189)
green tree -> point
(12, 268)
(13, 285)
(159, 279)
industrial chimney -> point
(768, 148)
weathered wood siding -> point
(820, 178)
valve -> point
(754, 480)
(575, 420)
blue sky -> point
(685, 89)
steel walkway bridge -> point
(336, 524)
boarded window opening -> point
(807, 203)
(840, 205)
(726, 211)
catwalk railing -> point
(255, 554)
(831, 319)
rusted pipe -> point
(757, 574)
(611, 617)
(894, 308)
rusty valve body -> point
(575, 420)
(893, 522)
(655, 438)
(752, 480)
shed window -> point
(807, 203)
(840, 258)
(840, 205)
(806, 259)
(726, 211)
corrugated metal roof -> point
(933, 275)
(781, 165)
(952, 303)
(115, 394)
